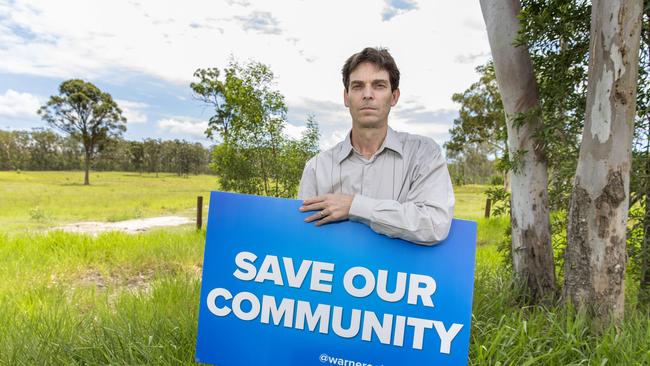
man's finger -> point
(325, 220)
(313, 207)
(313, 217)
(312, 200)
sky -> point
(144, 53)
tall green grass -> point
(113, 299)
(122, 299)
(133, 299)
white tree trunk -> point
(532, 254)
(595, 256)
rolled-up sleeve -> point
(425, 215)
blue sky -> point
(144, 54)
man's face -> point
(369, 97)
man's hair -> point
(380, 57)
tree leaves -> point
(255, 156)
(85, 113)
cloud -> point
(333, 119)
(261, 22)
(18, 105)
(471, 58)
(395, 7)
(183, 125)
(474, 24)
(410, 115)
(414, 117)
(243, 3)
(328, 141)
(132, 111)
(293, 131)
(48, 40)
(328, 114)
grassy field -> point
(37, 200)
(133, 299)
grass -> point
(116, 298)
(133, 299)
(38, 200)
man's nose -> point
(367, 93)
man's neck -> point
(368, 140)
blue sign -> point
(279, 291)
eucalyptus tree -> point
(596, 235)
(532, 254)
(87, 114)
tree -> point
(596, 253)
(294, 155)
(15, 150)
(85, 113)
(556, 33)
(532, 253)
(472, 166)
(136, 155)
(152, 155)
(640, 182)
(44, 150)
(479, 131)
(249, 117)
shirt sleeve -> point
(307, 188)
(425, 216)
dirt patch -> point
(128, 226)
(93, 277)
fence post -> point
(488, 204)
(199, 212)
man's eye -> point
(381, 86)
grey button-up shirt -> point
(403, 190)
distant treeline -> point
(43, 149)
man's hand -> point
(331, 208)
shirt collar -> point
(390, 142)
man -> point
(395, 182)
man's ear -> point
(345, 97)
(394, 98)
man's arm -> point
(308, 186)
(425, 216)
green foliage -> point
(479, 131)
(39, 149)
(38, 214)
(154, 156)
(639, 230)
(556, 33)
(504, 333)
(481, 117)
(496, 180)
(85, 113)
(42, 149)
(254, 156)
(500, 200)
(473, 167)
